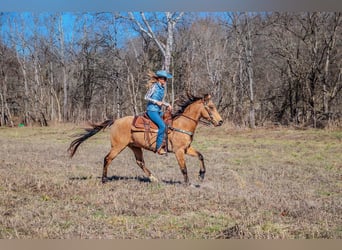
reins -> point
(206, 123)
(189, 118)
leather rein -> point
(208, 121)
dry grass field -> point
(260, 184)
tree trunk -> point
(165, 48)
(248, 51)
(330, 45)
(26, 119)
(2, 118)
(63, 63)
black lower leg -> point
(202, 169)
(201, 174)
(104, 172)
(185, 174)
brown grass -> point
(260, 184)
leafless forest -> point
(270, 72)
(261, 68)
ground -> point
(262, 184)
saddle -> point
(142, 123)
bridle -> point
(211, 117)
(208, 121)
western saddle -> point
(142, 123)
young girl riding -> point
(154, 96)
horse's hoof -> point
(104, 180)
(201, 175)
(153, 179)
(195, 185)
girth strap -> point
(181, 131)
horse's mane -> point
(184, 101)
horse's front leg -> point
(193, 152)
(180, 156)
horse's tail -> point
(95, 128)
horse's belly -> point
(143, 139)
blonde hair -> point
(152, 79)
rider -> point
(155, 96)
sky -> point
(69, 7)
(171, 5)
(12, 23)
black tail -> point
(95, 128)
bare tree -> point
(330, 36)
(62, 57)
(18, 40)
(244, 76)
(262, 67)
(6, 69)
(249, 64)
(164, 47)
(5, 62)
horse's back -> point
(123, 123)
(121, 129)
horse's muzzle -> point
(219, 123)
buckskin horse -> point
(180, 135)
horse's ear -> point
(206, 97)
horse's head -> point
(209, 111)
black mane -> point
(183, 102)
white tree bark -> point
(165, 48)
(249, 56)
(62, 59)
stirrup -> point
(161, 151)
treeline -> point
(261, 68)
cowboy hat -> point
(163, 73)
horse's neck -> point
(188, 119)
(192, 112)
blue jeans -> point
(155, 116)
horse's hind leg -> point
(108, 159)
(141, 163)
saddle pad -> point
(143, 122)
